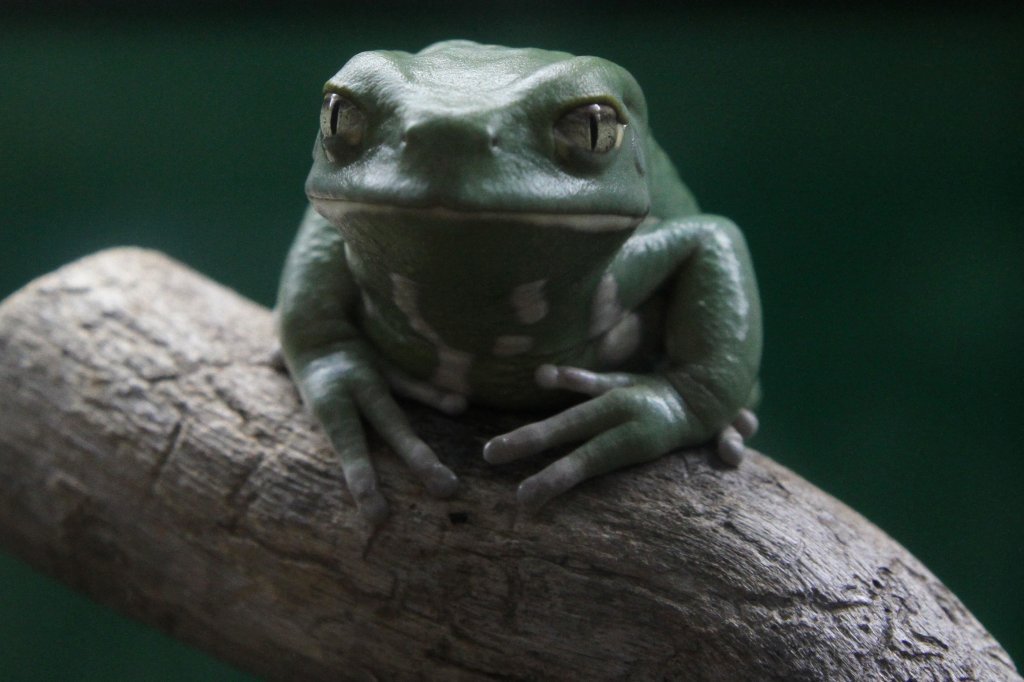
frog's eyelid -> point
(364, 101)
(600, 100)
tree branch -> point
(154, 456)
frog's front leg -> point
(713, 347)
(337, 372)
(342, 385)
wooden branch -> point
(153, 456)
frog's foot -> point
(422, 392)
(629, 419)
(338, 393)
(731, 443)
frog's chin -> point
(335, 211)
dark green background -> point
(873, 158)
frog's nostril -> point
(443, 136)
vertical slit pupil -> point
(335, 112)
(593, 132)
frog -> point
(497, 227)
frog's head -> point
(470, 128)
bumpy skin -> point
(480, 232)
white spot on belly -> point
(506, 346)
(529, 302)
(606, 311)
(452, 365)
(406, 296)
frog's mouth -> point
(335, 211)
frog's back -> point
(479, 67)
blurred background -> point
(872, 157)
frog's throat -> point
(334, 210)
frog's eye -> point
(341, 125)
(591, 128)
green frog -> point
(495, 226)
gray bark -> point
(153, 455)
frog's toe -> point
(362, 484)
(621, 446)
(578, 423)
(439, 480)
(537, 490)
(731, 444)
(422, 392)
(452, 404)
(523, 442)
(731, 447)
(374, 509)
(391, 423)
(579, 380)
(746, 423)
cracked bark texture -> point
(153, 455)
